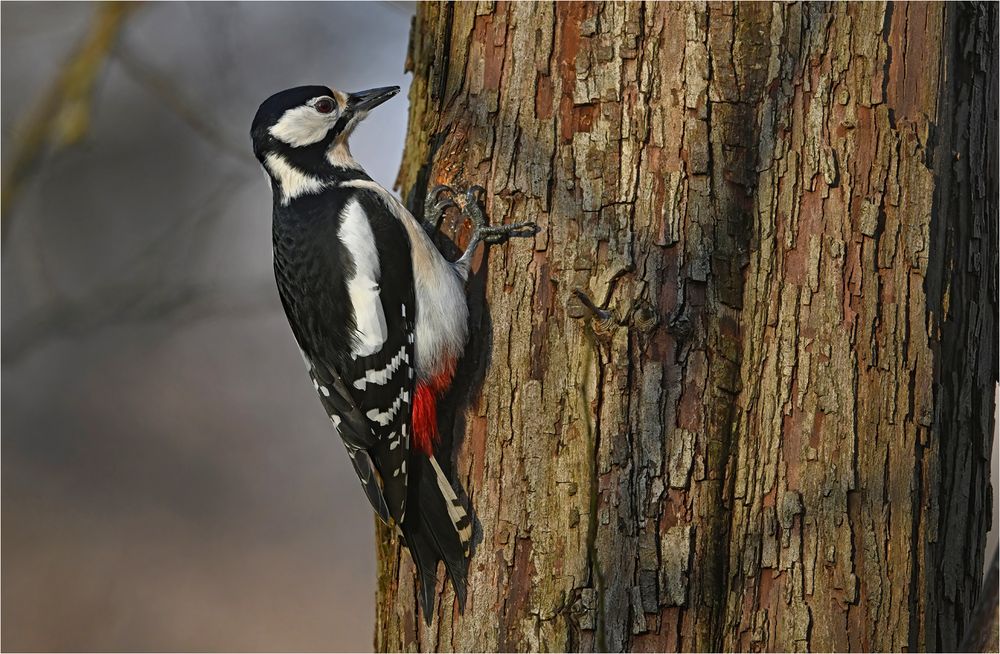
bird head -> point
(308, 126)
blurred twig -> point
(131, 302)
(173, 98)
(142, 290)
(62, 116)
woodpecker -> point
(379, 314)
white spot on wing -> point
(381, 376)
(356, 235)
(385, 417)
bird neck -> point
(339, 157)
(306, 170)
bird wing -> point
(368, 394)
(378, 389)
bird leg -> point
(482, 231)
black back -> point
(312, 267)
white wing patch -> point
(356, 235)
(440, 292)
(383, 375)
(293, 182)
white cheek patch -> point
(303, 126)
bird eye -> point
(324, 106)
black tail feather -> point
(426, 559)
(433, 530)
(458, 571)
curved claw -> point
(475, 193)
(438, 190)
(435, 208)
(444, 205)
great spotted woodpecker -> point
(379, 314)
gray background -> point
(169, 480)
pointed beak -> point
(365, 100)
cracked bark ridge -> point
(764, 420)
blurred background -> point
(169, 480)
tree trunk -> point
(738, 392)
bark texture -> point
(738, 392)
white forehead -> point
(304, 125)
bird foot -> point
(435, 207)
(442, 197)
(482, 230)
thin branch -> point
(132, 303)
(62, 116)
(146, 292)
(172, 96)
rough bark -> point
(764, 420)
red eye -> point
(324, 106)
